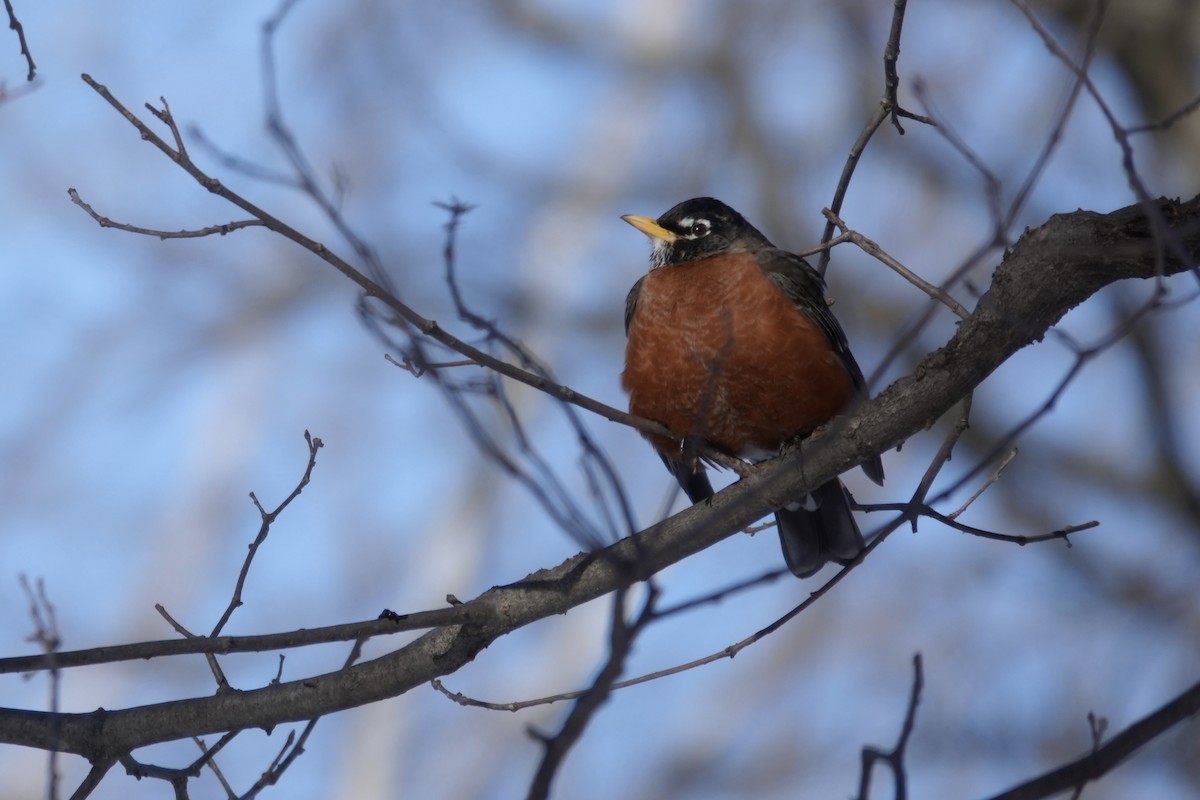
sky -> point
(151, 385)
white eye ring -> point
(695, 229)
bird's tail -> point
(819, 530)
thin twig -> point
(167, 119)
(1188, 108)
(889, 108)
(1097, 726)
(96, 774)
(214, 666)
(995, 476)
(208, 756)
(46, 635)
(1056, 131)
(373, 287)
(727, 652)
(1102, 760)
(895, 757)
(991, 184)
(875, 251)
(662, 613)
(293, 747)
(314, 444)
(943, 454)
(621, 638)
(1161, 229)
(219, 230)
(15, 24)
(915, 509)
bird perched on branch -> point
(732, 345)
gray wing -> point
(631, 302)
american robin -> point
(731, 344)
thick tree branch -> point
(1106, 758)
(1049, 271)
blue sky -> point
(151, 385)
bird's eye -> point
(699, 228)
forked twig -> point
(895, 757)
(268, 518)
(889, 108)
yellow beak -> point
(650, 228)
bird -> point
(731, 345)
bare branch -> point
(530, 468)
(1188, 108)
(208, 758)
(1050, 270)
(995, 476)
(889, 108)
(293, 747)
(895, 756)
(15, 24)
(1061, 533)
(874, 250)
(105, 222)
(991, 184)
(662, 613)
(386, 625)
(1120, 134)
(96, 774)
(1056, 131)
(621, 640)
(944, 452)
(314, 444)
(213, 665)
(374, 287)
(1102, 760)
(46, 635)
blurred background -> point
(150, 385)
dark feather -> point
(692, 477)
(631, 302)
(828, 532)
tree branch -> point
(1050, 270)
(1103, 759)
(15, 24)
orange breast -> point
(716, 350)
